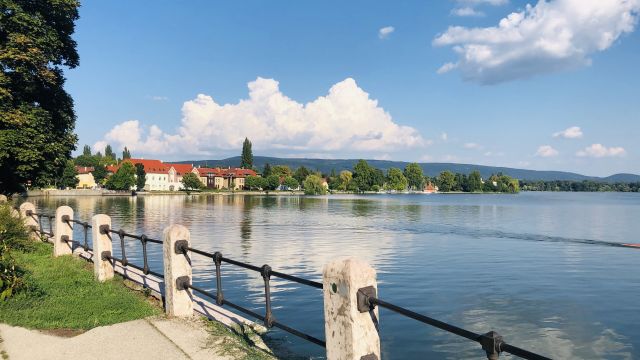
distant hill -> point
(430, 169)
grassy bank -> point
(60, 293)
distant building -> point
(163, 176)
(219, 178)
(85, 178)
(157, 174)
(429, 188)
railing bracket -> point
(363, 296)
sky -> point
(548, 85)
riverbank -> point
(65, 312)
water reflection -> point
(532, 267)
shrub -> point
(13, 236)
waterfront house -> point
(85, 178)
(176, 172)
(157, 174)
(219, 178)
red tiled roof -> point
(238, 172)
(84, 169)
(234, 172)
(181, 169)
(205, 171)
(151, 166)
(112, 168)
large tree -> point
(190, 182)
(415, 177)
(124, 178)
(446, 181)
(396, 180)
(108, 152)
(69, 178)
(313, 185)
(36, 113)
(141, 177)
(126, 154)
(301, 174)
(246, 160)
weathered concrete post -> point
(177, 270)
(63, 240)
(102, 267)
(350, 334)
(26, 209)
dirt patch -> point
(66, 333)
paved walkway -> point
(152, 338)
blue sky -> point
(323, 79)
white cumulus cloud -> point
(573, 132)
(384, 32)
(547, 37)
(346, 119)
(466, 11)
(600, 151)
(546, 151)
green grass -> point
(61, 293)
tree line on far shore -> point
(366, 178)
(578, 186)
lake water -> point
(534, 267)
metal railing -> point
(265, 271)
(492, 343)
(38, 217)
(85, 227)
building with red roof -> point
(220, 178)
(161, 176)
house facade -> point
(219, 178)
(161, 176)
(85, 178)
(157, 174)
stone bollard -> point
(63, 240)
(350, 333)
(102, 267)
(30, 221)
(177, 271)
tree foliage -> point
(191, 181)
(446, 181)
(366, 176)
(301, 174)
(69, 177)
(255, 183)
(396, 180)
(141, 177)
(126, 154)
(123, 179)
(585, 185)
(291, 182)
(246, 159)
(36, 113)
(281, 170)
(313, 185)
(346, 178)
(108, 152)
(266, 171)
(272, 183)
(415, 176)
(474, 181)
